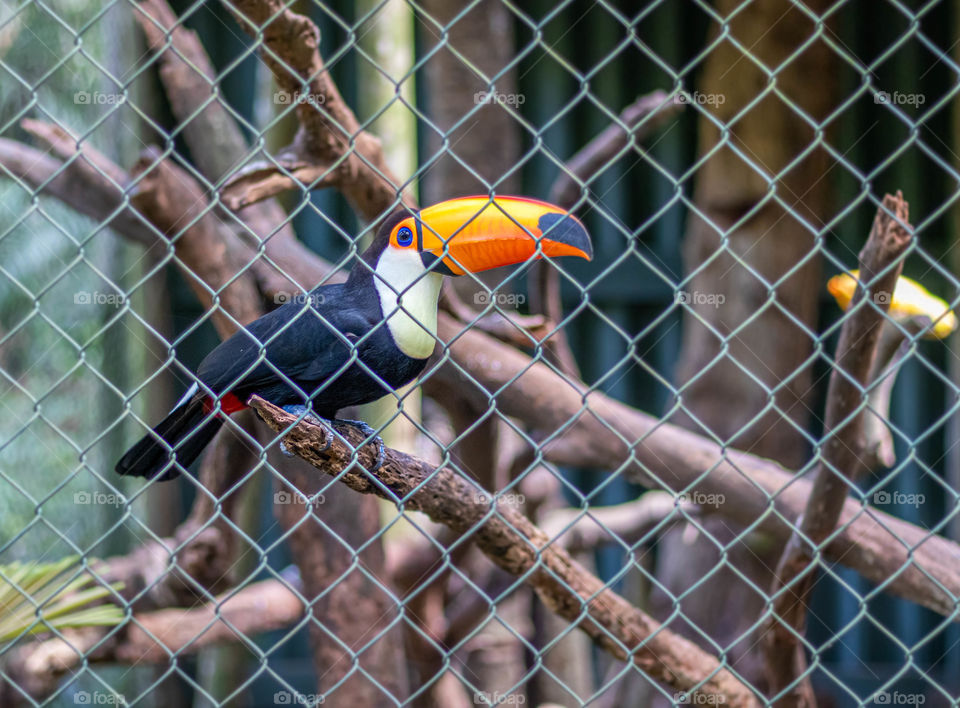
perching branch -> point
(844, 447)
(514, 544)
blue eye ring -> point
(404, 237)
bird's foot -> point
(307, 414)
(301, 410)
(370, 433)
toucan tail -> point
(184, 433)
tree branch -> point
(625, 524)
(637, 122)
(216, 144)
(585, 428)
(514, 544)
(843, 451)
(330, 147)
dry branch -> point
(84, 190)
(330, 147)
(173, 202)
(844, 449)
(637, 121)
(216, 144)
(624, 524)
(514, 544)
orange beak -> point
(479, 233)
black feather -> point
(181, 435)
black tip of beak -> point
(565, 229)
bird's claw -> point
(370, 433)
(301, 410)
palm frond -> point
(40, 597)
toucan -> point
(354, 342)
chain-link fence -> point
(711, 464)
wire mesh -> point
(104, 319)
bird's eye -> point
(404, 237)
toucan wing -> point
(302, 344)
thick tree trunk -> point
(351, 606)
(753, 397)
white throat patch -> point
(402, 279)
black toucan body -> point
(355, 342)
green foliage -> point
(38, 597)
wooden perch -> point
(843, 450)
(514, 544)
